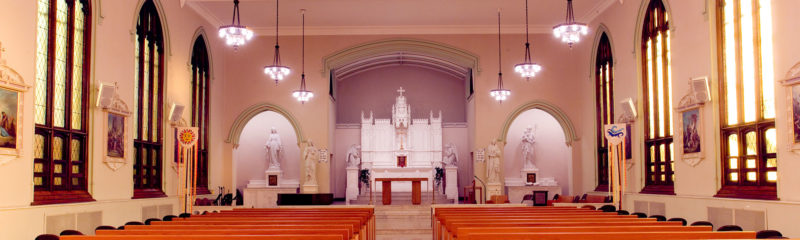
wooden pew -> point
(463, 231)
(206, 237)
(343, 233)
(609, 235)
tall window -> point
(659, 161)
(149, 95)
(62, 80)
(604, 99)
(749, 143)
(200, 75)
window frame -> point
(149, 186)
(762, 189)
(650, 32)
(200, 104)
(605, 115)
(48, 193)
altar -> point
(401, 146)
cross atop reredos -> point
(401, 91)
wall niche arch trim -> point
(248, 114)
(562, 118)
(387, 46)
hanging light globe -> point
(570, 31)
(500, 94)
(276, 71)
(235, 34)
(527, 68)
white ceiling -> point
(344, 17)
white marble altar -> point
(419, 140)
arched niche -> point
(569, 129)
(250, 157)
(551, 156)
(238, 125)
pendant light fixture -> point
(527, 68)
(276, 71)
(235, 34)
(500, 94)
(303, 95)
(570, 31)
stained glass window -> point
(748, 105)
(657, 80)
(62, 78)
(200, 91)
(148, 112)
(604, 100)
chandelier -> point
(235, 34)
(303, 95)
(500, 94)
(276, 71)
(527, 68)
(570, 31)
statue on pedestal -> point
(311, 156)
(354, 156)
(450, 155)
(274, 149)
(528, 140)
(493, 163)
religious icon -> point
(796, 112)
(116, 136)
(691, 136)
(272, 180)
(8, 118)
(530, 178)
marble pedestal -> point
(264, 197)
(351, 192)
(493, 188)
(451, 188)
(275, 173)
(516, 193)
(310, 188)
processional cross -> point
(401, 91)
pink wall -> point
(427, 90)
(551, 153)
(250, 157)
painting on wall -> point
(116, 136)
(628, 149)
(691, 135)
(9, 101)
(796, 112)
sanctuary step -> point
(400, 198)
(407, 222)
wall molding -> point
(562, 118)
(244, 117)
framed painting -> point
(9, 109)
(791, 83)
(116, 133)
(12, 91)
(115, 146)
(691, 136)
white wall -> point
(250, 157)
(551, 154)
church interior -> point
(414, 119)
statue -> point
(311, 156)
(274, 149)
(527, 148)
(354, 156)
(450, 155)
(493, 163)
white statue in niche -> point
(311, 157)
(274, 149)
(450, 155)
(493, 163)
(354, 155)
(528, 139)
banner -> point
(615, 134)
(186, 148)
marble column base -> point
(351, 191)
(451, 189)
(493, 189)
(308, 188)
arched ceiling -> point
(401, 59)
